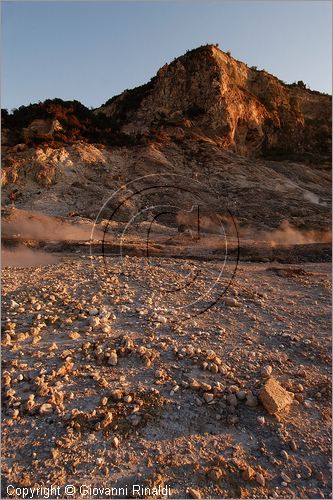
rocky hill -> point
(245, 110)
(263, 146)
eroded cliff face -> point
(245, 110)
(205, 116)
(81, 177)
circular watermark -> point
(184, 235)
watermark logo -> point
(182, 236)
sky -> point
(93, 50)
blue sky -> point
(93, 50)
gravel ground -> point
(112, 377)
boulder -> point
(274, 397)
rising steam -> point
(286, 234)
(26, 257)
(36, 226)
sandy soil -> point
(104, 386)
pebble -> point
(260, 479)
(215, 474)
(113, 358)
(115, 442)
(233, 389)
(74, 335)
(15, 413)
(224, 369)
(94, 321)
(261, 420)
(248, 473)
(251, 400)
(208, 397)
(30, 403)
(293, 445)
(117, 394)
(93, 311)
(214, 368)
(285, 455)
(306, 470)
(46, 409)
(194, 493)
(106, 421)
(266, 371)
(285, 477)
(232, 400)
(231, 302)
(241, 395)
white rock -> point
(115, 442)
(266, 371)
(113, 359)
(45, 409)
(93, 311)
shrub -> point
(301, 84)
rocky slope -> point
(261, 146)
(79, 178)
(243, 109)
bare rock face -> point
(243, 109)
(198, 118)
(41, 127)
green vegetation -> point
(131, 100)
(78, 123)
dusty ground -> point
(103, 386)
